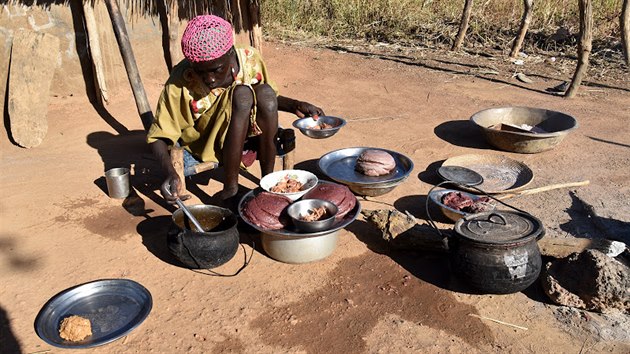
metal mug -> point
(117, 182)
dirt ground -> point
(59, 228)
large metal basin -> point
(555, 124)
(304, 249)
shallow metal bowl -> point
(302, 207)
(306, 125)
(435, 196)
(339, 165)
(553, 127)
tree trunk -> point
(584, 46)
(463, 25)
(625, 30)
(173, 32)
(525, 21)
(142, 103)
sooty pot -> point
(496, 252)
(203, 250)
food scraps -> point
(462, 202)
(321, 126)
(75, 328)
(518, 128)
(314, 214)
(287, 185)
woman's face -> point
(218, 72)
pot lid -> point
(499, 227)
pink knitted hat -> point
(206, 37)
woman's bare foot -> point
(227, 193)
(230, 197)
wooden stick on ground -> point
(95, 52)
(542, 189)
(497, 321)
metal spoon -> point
(167, 189)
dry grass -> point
(434, 22)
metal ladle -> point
(167, 189)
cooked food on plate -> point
(75, 328)
(337, 194)
(266, 210)
(373, 162)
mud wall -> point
(73, 68)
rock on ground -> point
(589, 280)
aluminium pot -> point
(496, 252)
(204, 250)
(299, 249)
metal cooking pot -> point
(299, 249)
(204, 250)
(496, 252)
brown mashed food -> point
(75, 328)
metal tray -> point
(114, 307)
(289, 231)
(339, 166)
(500, 174)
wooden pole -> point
(142, 103)
(173, 32)
(255, 34)
(528, 7)
(584, 46)
(177, 159)
(95, 52)
(463, 25)
(624, 20)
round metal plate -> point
(339, 166)
(460, 175)
(290, 231)
(500, 174)
(114, 307)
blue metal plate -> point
(114, 307)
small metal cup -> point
(117, 182)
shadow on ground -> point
(461, 133)
(8, 341)
(586, 223)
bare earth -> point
(59, 228)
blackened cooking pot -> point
(204, 250)
(496, 252)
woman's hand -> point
(170, 189)
(305, 109)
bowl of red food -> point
(320, 128)
(456, 204)
(292, 184)
(312, 215)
